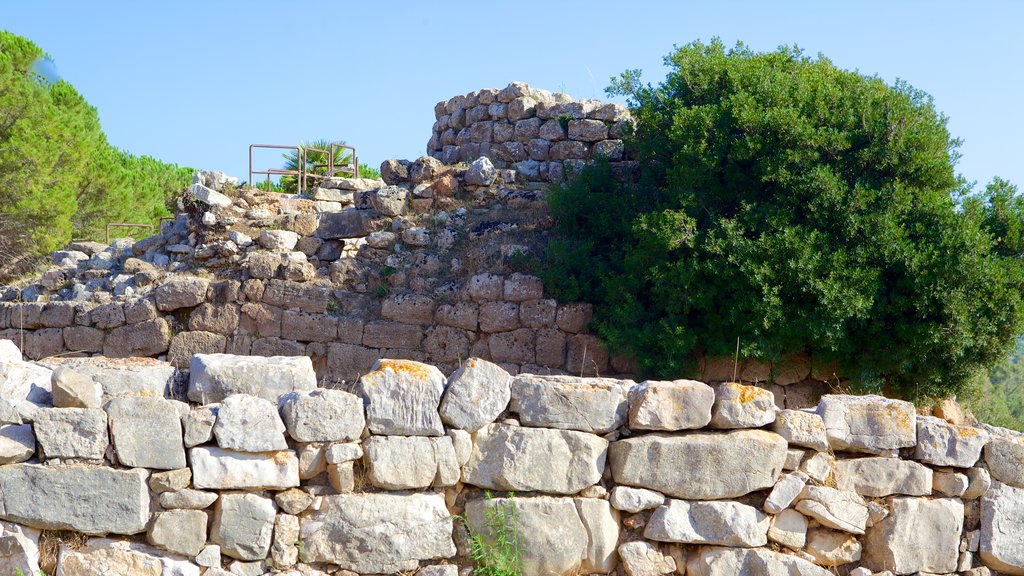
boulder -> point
(918, 535)
(214, 377)
(146, 432)
(377, 533)
(409, 462)
(390, 200)
(243, 525)
(208, 196)
(742, 406)
(323, 415)
(876, 477)
(801, 428)
(570, 403)
(534, 459)
(17, 443)
(700, 466)
(121, 558)
(278, 240)
(402, 397)
(670, 406)
(344, 224)
(1005, 460)
(249, 424)
(179, 531)
(633, 500)
(71, 433)
(481, 172)
(641, 558)
(940, 443)
(1002, 540)
(87, 499)
(180, 292)
(135, 377)
(716, 561)
(478, 392)
(871, 424)
(834, 508)
(708, 522)
(217, 469)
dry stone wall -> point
(247, 465)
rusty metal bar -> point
(300, 173)
(354, 170)
(126, 225)
(306, 172)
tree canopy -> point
(798, 207)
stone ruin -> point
(261, 388)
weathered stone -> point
(179, 531)
(834, 508)
(72, 389)
(9, 351)
(785, 492)
(410, 462)
(218, 469)
(278, 240)
(19, 549)
(700, 466)
(829, 548)
(570, 403)
(499, 317)
(878, 477)
(871, 424)
(409, 309)
(716, 561)
(344, 224)
(147, 338)
(402, 397)
(477, 393)
(1002, 541)
(602, 525)
(978, 483)
(919, 535)
(53, 497)
(635, 500)
(670, 406)
(789, 528)
(209, 557)
(948, 483)
(243, 524)
(641, 558)
(377, 533)
(294, 500)
(249, 424)
(312, 460)
(184, 345)
(135, 377)
(180, 292)
(146, 433)
(940, 443)
(741, 406)
(214, 377)
(71, 433)
(534, 459)
(708, 522)
(17, 443)
(187, 499)
(221, 318)
(390, 200)
(818, 466)
(801, 428)
(122, 558)
(392, 335)
(481, 172)
(198, 424)
(1005, 460)
(588, 130)
(323, 416)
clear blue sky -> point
(196, 82)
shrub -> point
(799, 208)
(496, 551)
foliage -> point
(997, 396)
(59, 177)
(497, 552)
(317, 161)
(800, 208)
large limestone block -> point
(551, 535)
(789, 528)
(121, 377)
(214, 377)
(534, 459)
(708, 522)
(71, 433)
(700, 466)
(1002, 536)
(179, 531)
(640, 558)
(121, 558)
(801, 428)
(918, 535)
(742, 406)
(17, 443)
(876, 477)
(402, 397)
(410, 462)
(670, 406)
(87, 499)
(249, 424)
(181, 292)
(570, 403)
(219, 469)
(834, 508)
(323, 415)
(716, 561)
(25, 381)
(9, 351)
(601, 522)
(940, 443)
(478, 392)
(871, 424)
(829, 548)
(146, 432)
(72, 389)
(1005, 460)
(243, 525)
(633, 500)
(377, 533)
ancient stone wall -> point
(247, 465)
(541, 135)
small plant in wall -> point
(496, 550)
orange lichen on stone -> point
(967, 431)
(748, 393)
(408, 368)
(903, 421)
(282, 457)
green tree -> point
(800, 208)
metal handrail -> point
(303, 174)
(300, 153)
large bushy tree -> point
(800, 208)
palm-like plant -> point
(317, 155)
